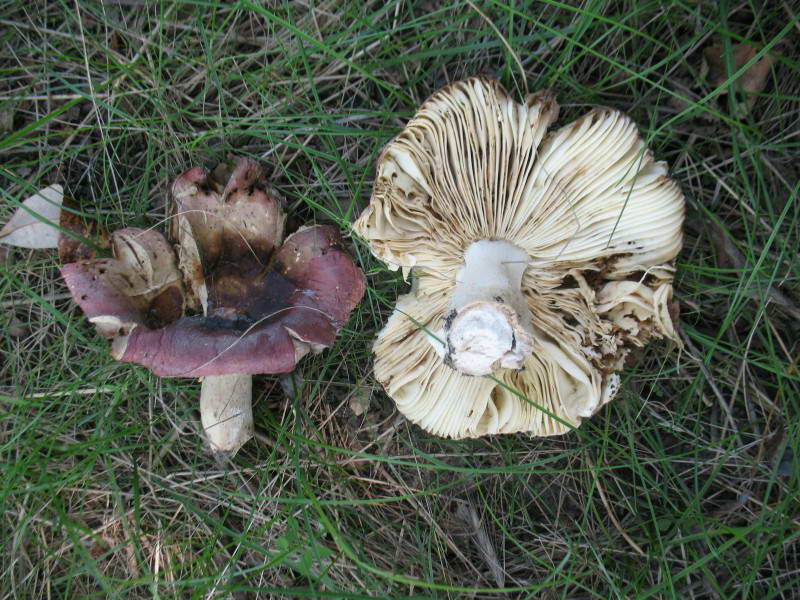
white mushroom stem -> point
(489, 326)
(226, 411)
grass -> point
(686, 486)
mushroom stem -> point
(226, 411)
(489, 325)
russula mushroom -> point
(234, 301)
(539, 257)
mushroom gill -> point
(539, 257)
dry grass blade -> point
(476, 528)
(610, 510)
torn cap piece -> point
(539, 258)
(139, 287)
(225, 230)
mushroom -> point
(236, 300)
(539, 259)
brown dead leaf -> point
(25, 230)
(729, 256)
(71, 249)
(751, 82)
(291, 384)
(16, 328)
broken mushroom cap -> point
(539, 257)
(265, 304)
(260, 303)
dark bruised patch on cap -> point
(165, 308)
(251, 296)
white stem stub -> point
(489, 326)
(226, 412)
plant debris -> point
(34, 224)
(750, 83)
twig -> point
(81, 392)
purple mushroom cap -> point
(260, 305)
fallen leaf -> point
(291, 384)
(359, 400)
(786, 465)
(729, 256)
(76, 231)
(25, 230)
(751, 82)
(16, 328)
(778, 453)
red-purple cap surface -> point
(264, 305)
